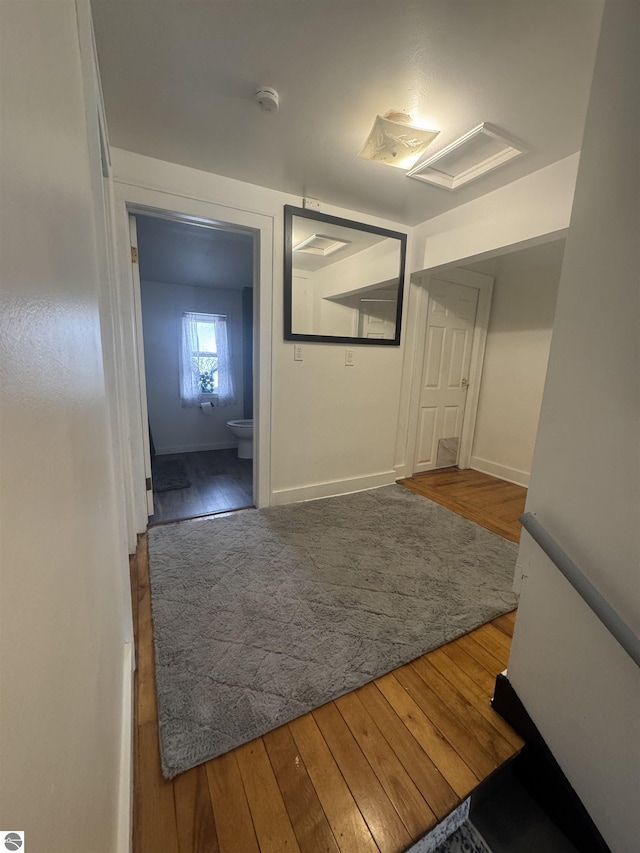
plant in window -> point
(206, 360)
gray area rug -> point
(263, 615)
(467, 839)
(169, 475)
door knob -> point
(464, 383)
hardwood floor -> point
(219, 482)
(372, 771)
(491, 503)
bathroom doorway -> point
(196, 285)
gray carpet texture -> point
(263, 615)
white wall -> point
(175, 428)
(515, 215)
(522, 214)
(515, 360)
(581, 689)
(64, 627)
(333, 428)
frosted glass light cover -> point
(396, 143)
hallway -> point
(372, 771)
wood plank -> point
(465, 744)
(491, 741)
(494, 641)
(487, 501)
(303, 806)
(508, 508)
(506, 623)
(133, 581)
(155, 808)
(484, 657)
(347, 824)
(435, 789)
(270, 819)
(458, 774)
(400, 789)
(219, 482)
(485, 680)
(230, 807)
(382, 819)
(475, 695)
(147, 708)
(467, 511)
(194, 814)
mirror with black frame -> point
(343, 280)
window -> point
(206, 360)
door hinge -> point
(134, 255)
(149, 486)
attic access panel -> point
(343, 280)
(477, 152)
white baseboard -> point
(332, 488)
(125, 794)
(511, 475)
(193, 448)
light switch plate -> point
(348, 358)
(297, 352)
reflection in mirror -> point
(342, 279)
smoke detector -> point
(268, 99)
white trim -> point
(125, 794)
(401, 472)
(130, 198)
(98, 149)
(194, 448)
(507, 249)
(484, 285)
(333, 488)
(511, 475)
(142, 375)
(425, 171)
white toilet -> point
(243, 431)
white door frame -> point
(142, 373)
(484, 285)
(135, 199)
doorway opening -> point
(196, 286)
(481, 362)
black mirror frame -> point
(289, 212)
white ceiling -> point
(356, 241)
(179, 79)
(181, 253)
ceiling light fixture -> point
(318, 244)
(477, 152)
(395, 141)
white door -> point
(451, 318)
(377, 317)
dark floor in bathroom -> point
(219, 482)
